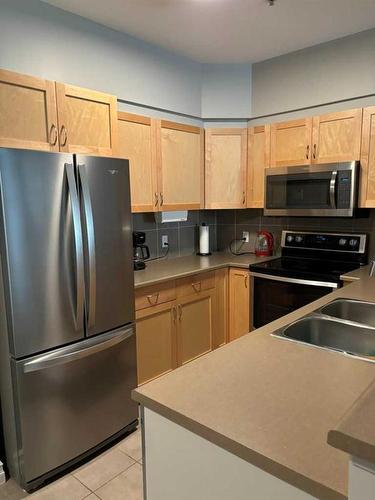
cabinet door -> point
(239, 303)
(367, 186)
(87, 121)
(291, 143)
(156, 341)
(337, 136)
(181, 166)
(258, 161)
(137, 143)
(226, 161)
(28, 116)
(195, 326)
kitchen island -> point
(251, 419)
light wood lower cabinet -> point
(178, 321)
(28, 114)
(195, 325)
(239, 303)
(156, 341)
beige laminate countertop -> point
(163, 270)
(273, 402)
(357, 274)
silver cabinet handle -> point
(307, 151)
(179, 311)
(71, 353)
(174, 312)
(161, 199)
(53, 135)
(332, 189)
(246, 278)
(243, 197)
(90, 233)
(197, 286)
(77, 231)
(156, 199)
(63, 135)
(314, 152)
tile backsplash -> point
(227, 225)
(231, 224)
(182, 236)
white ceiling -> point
(229, 31)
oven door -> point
(318, 190)
(275, 296)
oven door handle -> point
(332, 189)
(296, 281)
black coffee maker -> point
(141, 252)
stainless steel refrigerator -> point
(67, 336)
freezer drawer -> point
(73, 398)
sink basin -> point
(333, 334)
(352, 310)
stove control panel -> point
(324, 241)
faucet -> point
(372, 267)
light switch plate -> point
(246, 236)
(164, 241)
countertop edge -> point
(264, 463)
(353, 446)
(184, 274)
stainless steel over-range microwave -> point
(329, 190)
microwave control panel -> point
(343, 189)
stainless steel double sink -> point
(344, 325)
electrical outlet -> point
(164, 241)
(246, 236)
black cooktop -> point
(305, 268)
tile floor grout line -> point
(90, 490)
(114, 477)
(124, 452)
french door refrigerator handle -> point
(71, 353)
(77, 230)
(89, 223)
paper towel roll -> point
(204, 240)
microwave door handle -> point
(90, 233)
(78, 246)
(332, 189)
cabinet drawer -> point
(195, 283)
(154, 295)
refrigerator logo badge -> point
(113, 172)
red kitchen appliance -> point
(264, 244)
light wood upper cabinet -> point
(258, 161)
(137, 143)
(337, 136)
(226, 162)
(28, 116)
(156, 341)
(239, 303)
(195, 325)
(181, 166)
(87, 121)
(291, 143)
(367, 186)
